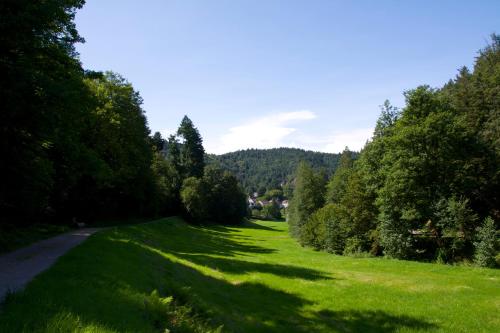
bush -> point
(271, 211)
(216, 197)
(255, 213)
(485, 246)
(354, 245)
(455, 224)
(337, 227)
(314, 231)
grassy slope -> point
(251, 279)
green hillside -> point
(269, 168)
(252, 278)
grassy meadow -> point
(254, 278)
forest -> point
(75, 143)
(259, 170)
(425, 187)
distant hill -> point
(270, 168)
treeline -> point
(427, 185)
(74, 143)
(259, 170)
(202, 193)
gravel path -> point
(19, 267)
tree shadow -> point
(107, 281)
(252, 225)
(371, 321)
(236, 266)
(255, 307)
(179, 238)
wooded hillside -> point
(263, 169)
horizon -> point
(280, 74)
(297, 148)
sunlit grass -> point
(252, 278)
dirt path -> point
(19, 267)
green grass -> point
(13, 237)
(252, 278)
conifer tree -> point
(192, 152)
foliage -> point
(260, 170)
(485, 245)
(77, 142)
(337, 185)
(158, 142)
(192, 154)
(121, 152)
(215, 197)
(168, 183)
(429, 174)
(270, 211)
(313, 233)
(43, 102)
(274, 194)
(308, 196)
(455, 226)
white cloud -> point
(354, 139)
(285, 129)
(264, 132)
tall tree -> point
(192, 152)
(43, 100)
(337, 185)
(121, 150)
(157, 141)
(308, 196)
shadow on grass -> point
(107, 282)
(253, 225)
(235, 266)
(179, 238)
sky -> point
(309, 74)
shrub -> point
(354, 245)
(314, 231)
(216, 197)
(485, 244)
(271, 211)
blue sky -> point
(262, 74)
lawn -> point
(252, 278)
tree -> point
(157, 141)
(337, 185)
(425, 159)
(308, 196)
(485, 244)
(216, 197)
(271, 211)
(387, 119)
(358, 208)
(194, 195)
(43, 102)
(192, 152)
(121, 150)
(168, 183)
(453, 228)
(260, 170)
(313, 233)
(274, 194)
